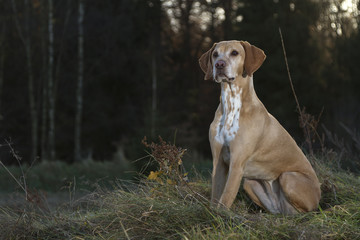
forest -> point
(105, 114)
(87, 79)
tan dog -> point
(248, 142)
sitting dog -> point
(248, 143)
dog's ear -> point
(206, 63)
(254, 57)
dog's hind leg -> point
(268, 195)
(249, 186)
(300, 190)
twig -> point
(17, 181)
(288, 71)
(18, 159)
(307, 121)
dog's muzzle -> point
(220, 75)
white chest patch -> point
(228, 126)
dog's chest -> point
(228, 124)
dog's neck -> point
(237, 98)
(241, 88)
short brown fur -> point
(277, 175)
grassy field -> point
(57, 176)
(160, 209)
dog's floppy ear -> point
(254, 57)
(206, 63)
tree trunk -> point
(185, 7)
(51, 95)
(61, 48)
(154, 90)
(45, 98)
(213, 34)
(155, 45)
(33, 109)
(79, 90)
(227, 5)
(27, 44)
(2, 60)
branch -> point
(288, 71)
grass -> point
(153, 210)
(57, 175)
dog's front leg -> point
(219, 173)
(219, 176)
(232, 184)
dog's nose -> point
(220, 64)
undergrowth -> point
(180, 209)
(53, 176)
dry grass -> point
(152, 209)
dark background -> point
(131, 44)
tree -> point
(26, 40)
(228, 21)
(44, 85)
(156, 43)
(259, 25)
(2, 61)
(51, 93)
(79, 90)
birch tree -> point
(50, 82)
(79, 90)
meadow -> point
(172, 203)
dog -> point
(248, 143)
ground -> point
(162, 209)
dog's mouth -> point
(222, 77)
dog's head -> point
(227, 60)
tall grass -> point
(54, 176)
(152, 209)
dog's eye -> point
(215, 54)
(234, 53)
